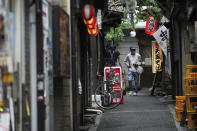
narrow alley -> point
(63, 63)
(139, 113)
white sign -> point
(162, 37)
(45, 15)
(99, 19)
(4, 121)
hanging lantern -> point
(90, 23)
(90, 20)
(93, 31)
(151, 25)
(87, 12)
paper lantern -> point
(90, 23)
(87, 12)
(93, 31)
(151, 25)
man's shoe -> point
(134, 94)
(130, 93)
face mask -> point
(132, 52)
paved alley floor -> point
(138, 113)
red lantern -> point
(90, 23)
(93, 31)
(88, 12)
(90, 20)
(151, 25)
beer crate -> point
(191, 101)
(191, 71)
(191, 121)
(190, 86)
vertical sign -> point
(64, 43)
(99, 19)
(7, 45)
(194, 49)
(117, 74)
(4, 121)
(2, 34)
(1, 89)
(156, 57)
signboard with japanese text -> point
(61, 45)
(151, 25)
(45, 15)
(117, 74)
(99, 19)
(7, 46)
(1, 89)
(162, 37)
(156, 57)
(4, 121)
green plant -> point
(115, 34)
(152, 10)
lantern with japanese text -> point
(93, 31)
(90, 20)
(151, 25)
(90, 23)
(87, 12)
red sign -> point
(151, 25)
(117, 74)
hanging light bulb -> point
(132, 33)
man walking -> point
(132, 61)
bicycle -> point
(109, 91)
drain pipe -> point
(33, 68)
(73, 66)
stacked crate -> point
(180, 102)
(191, 94)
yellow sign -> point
(7, 78)
(156, 57)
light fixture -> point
(132, 33)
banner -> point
(117, 74)
(162, 36)
(156, 57)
